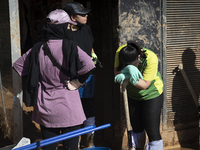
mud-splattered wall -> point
(140, 20)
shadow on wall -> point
(186, 120)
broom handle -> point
(128, 123)
(180, 67)
(126, 107)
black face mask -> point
(79, 24)
(56, 31)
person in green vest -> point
(139, 66)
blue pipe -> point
(68, 134)
(76, 134)
(62, 137)
(59, 136)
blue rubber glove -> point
(121, 77)
(133, 73)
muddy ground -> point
(31, 130)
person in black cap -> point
(82, 36)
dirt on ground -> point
(6, 116)
(31, 130)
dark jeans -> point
(145, 115)
(70, 144)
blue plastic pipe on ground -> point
(57, 137)
(63, 137)
(68, 134)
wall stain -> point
(141, 22)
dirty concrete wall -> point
(5, 70)
(140, 20)
(181, 41)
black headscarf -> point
(69, 48)
(70, 54)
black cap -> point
(75, 8)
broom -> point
(128, 123)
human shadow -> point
(184, 116)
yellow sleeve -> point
(151, 69)
(116, 63)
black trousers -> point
(88, 106)
(145, 115)
(70, 144)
